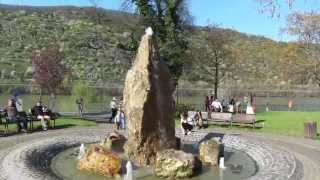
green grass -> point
(277, 122)
(61, 123)
(287, 123)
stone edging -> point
(29, 160)
(273, 163)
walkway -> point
(306, 151)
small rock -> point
(176, 164)
(209, 151)
(101, 161)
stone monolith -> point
(148, 105)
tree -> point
(168, 19)
(272, 6)
(49, 70)
(306, 26)
(214, 57)
(96, 10)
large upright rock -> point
(149, 105)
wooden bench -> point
(221, 117)
(215, 117)
(29, 117)
(5, 121)
(226, 118)
(244, 119)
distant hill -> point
(98, 46)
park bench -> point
(247, 119)
(226, 118)
(30, 119)
(221, 117)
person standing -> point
(119, 120)
(80, 105)
(122, 119)
(113, 107)
(290, 104)
(207, 103)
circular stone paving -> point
(28, 157)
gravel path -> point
(302, 154)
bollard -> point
(310, 130)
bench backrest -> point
(221, 116)
(244, 118)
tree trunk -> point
(40, 98)
(216, 80)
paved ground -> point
(306, 151)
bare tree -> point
(214, 57)
(272, 6)
(96, 11)
(306, 26)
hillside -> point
(98, 46)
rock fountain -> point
(149, 105)
(149, 152)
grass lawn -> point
(287, 123)
(62, 122)
(279, 122)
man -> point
(42, 114)
(113, 107)
(216, 105)
(13, 116)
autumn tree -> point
(214, 57)
(306, 27)
(49, 70)
(168, 19)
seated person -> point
(216, 106)
(12, 115)
(231, 106)
(238, 106)
(186, 127)
(42, 113)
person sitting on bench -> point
(42, 113)
(216, 106)
(186, 127)
(12, 116)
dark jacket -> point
(37, 111)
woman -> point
(120, 119)
(231, 105)
(42, 113)
(186, 127)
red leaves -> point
(49, 71)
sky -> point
(240, 15)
